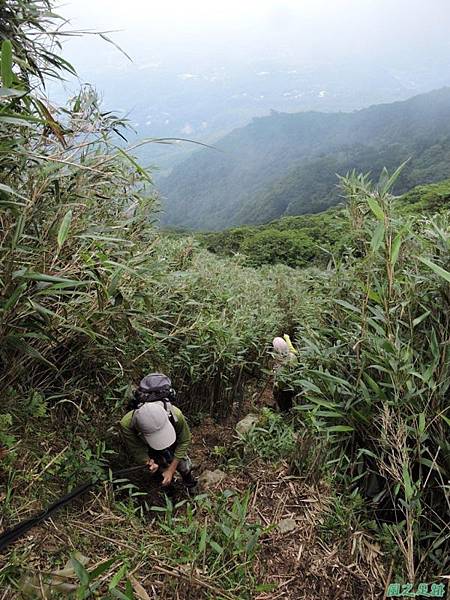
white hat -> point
(280, 346)
(152, 421)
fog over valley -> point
(199, 69)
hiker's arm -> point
(136, 446)
(152, 465)
(170, 472)
(183, 438)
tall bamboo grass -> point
(91, 297)
(374, 374)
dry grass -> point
(299, 563)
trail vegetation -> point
(339, 498)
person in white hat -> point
(284, 354)
(157, 434)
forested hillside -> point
(313, 239)
(286, 164)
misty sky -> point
(202, 67)
(199, 33)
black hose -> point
(11, 535)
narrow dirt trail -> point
(293, 559)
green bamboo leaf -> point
(396, 245)
(432, 465)
(346, 304)
(373, 295)
(8, 190)
(436, 268)
(117, 577)
(326, 403)
(328, 413)
(33, 276)
(309, 386)
(329, 377)
(409, 491)
(251, 544)
(421, 423)
(110, 41)
(215, 546)
(129, 590)
(375, 208)
(377, 238)
(19, 121)
(378, 329)
(6, 66)
(135, 164)
(445, 419)
(27, 349)
(419, 320)
(18, 231)
(42, 310)
(80, 571)
(12, 300)
(202, 543)
(114, 283)
(118, 594)
(434, 345)
(372, 383)
(14, 206)
(64, 228)
(340, 428)
(388, 182)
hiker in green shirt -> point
(156, 433)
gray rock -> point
(209, 479)
(247, 423)
(286, 525)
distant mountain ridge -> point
(286, 164)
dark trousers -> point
(284, 398)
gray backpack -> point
(153, 388)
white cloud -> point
(149, 66)
(187, 129)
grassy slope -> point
(140, 538)
(57, 445)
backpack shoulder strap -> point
(169, 409)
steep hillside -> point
(307, 240)
(286, 164)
